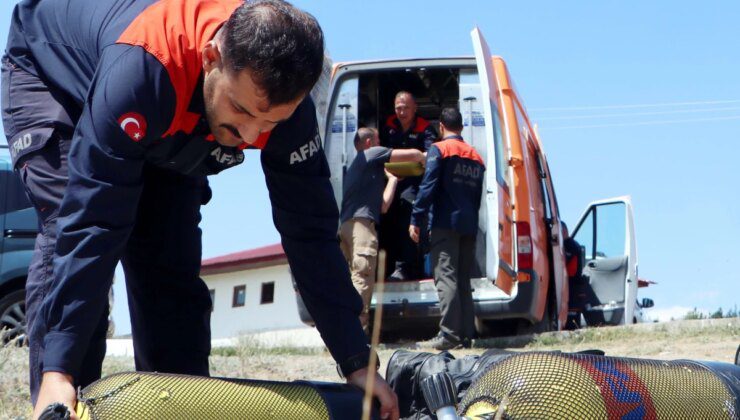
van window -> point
(502, 165)
(610, 230)
(543, 185)
(584, 234)
(609, 238)
(15, 194)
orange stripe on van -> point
(175, 32)
(449, 148)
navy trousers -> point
(170, 305)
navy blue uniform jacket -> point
(134, 69)
(451, 187)
(420, 136)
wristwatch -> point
(355, 363)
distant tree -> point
(694, 314)
(717, 314)
(732, 313)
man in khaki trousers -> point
(365, 196)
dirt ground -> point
(715, 340)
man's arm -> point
(406, 155)
(306, 216)
(98, 210)
(427, 190)
(389, 191)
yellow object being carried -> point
(141, 396)
(404, 169)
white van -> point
(519, 280)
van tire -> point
(13, 317)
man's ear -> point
(211, 56)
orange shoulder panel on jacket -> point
(391, 121)
(421, 125)
(449, 148)
(175, 32)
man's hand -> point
(414, 233)
(56, 387)
(381, 390)
(389, 175)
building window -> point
(212, 292)
(240, 294)
(268, 293)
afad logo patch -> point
(133, 124)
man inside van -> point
(115, 112)
(404, 130)
(365, 197)
(451, 191)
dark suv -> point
(19, 225)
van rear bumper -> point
(522, 306)
(405, 312)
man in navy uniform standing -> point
(451, 190)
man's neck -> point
(451, 135)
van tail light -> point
(524, 246)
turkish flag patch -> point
(133, 124)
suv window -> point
(15, 195)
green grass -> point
(246, 347)
(657, 333)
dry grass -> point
(704, 339)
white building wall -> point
(227, 321)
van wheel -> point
(13, 318)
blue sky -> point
(631, 97)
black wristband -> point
(355, 363)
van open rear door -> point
(606, 234)
(498, 218)
(320, 93)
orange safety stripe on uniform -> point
(572, 266)
(449, 148)
(175, 32)
(419, 127)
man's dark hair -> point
(452, 119)
(282, 46)
(363, 134)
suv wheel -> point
(13, 317)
